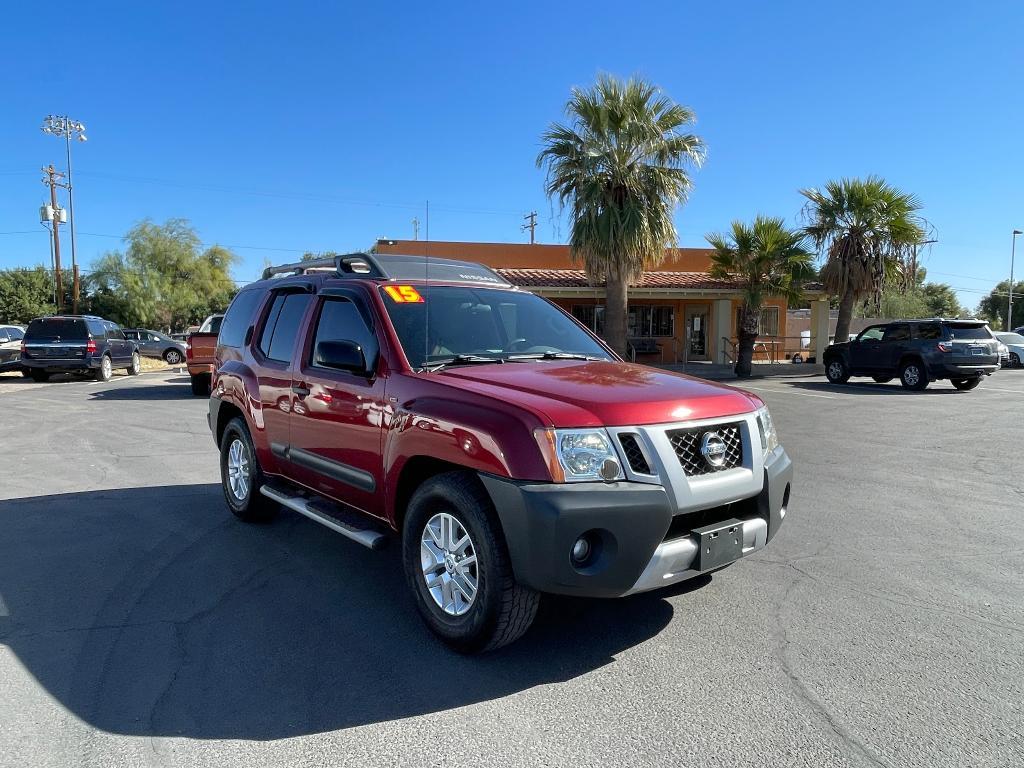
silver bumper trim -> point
(671, 561)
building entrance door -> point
(696, 340)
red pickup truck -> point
(200, 350)
(508, 449)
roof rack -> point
(394, 267)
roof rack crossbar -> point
(361, 264)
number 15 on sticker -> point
(403, 294)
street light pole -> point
(64, 126)
(1009, 306)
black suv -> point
(82, 344)
(917, 351)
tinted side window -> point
(238, 318)
(114, 333)
(286, 325)
(929, 331)
(268, 326)
(897, 333)
(340, 320)
(969, 332)
(872, 334)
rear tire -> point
(500, 610)
(172, 357)
(882, 379)
(241, 477)
(965, 385)
(201, 385)
(135, 367)
(913, 375)
(106, 369)
(836, 371)
(1014, 360)
(38, 375)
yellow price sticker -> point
(403, 294)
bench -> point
(644, 346)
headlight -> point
(576, 455)
(765, 425)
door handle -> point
(300, 390)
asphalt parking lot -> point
(140, 624)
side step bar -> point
(368, 538)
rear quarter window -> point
(238, 318)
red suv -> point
(506, 447)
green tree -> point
(994, 306)
(941, 300)
(163, 279)
(620, 164)
(768, 260)
(25, 294)
(866, 231)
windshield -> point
(969, 332)
(50, 328)
(438, 323)
(1010, 338)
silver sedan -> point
(1014, 345)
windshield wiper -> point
(556, 356)
(438, 365)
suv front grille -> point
(635, 456)
(687, 444)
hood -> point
(571, 393)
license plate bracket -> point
(718, 544)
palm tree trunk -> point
(615, 313)
(747, 333)
(845, 315)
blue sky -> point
(300, 126)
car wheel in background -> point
(913, 375)
(172, 357)
(136, 365)
(38, 375)
(106, 369)
(836, 371)
(1014, 360)
(457, 565)
(201, 385)
(965, 384)
(241, 476)
(882, 379)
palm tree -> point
(620, 165)
(766, 259)
(866, 230)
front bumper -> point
(642, 541)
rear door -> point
(336, 421)
(895, 342)
(120, 348)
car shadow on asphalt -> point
(152, 611)
(161, 391)
(873, 388)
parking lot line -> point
(788, 392)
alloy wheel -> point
(238, 470)
(835, 370)
(912, 375)
(107, 369)
(449, 564)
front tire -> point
(135, 368)
(965, 385)
(471, 601)
(836, 371)
(913, 375)
(241, 477)
(1014, 360)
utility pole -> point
(51, 180)
(64, 127)
(531, 224)
(415, 229)
(1009, 306)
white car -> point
(1014, 346)
(10, 347)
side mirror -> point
(342, 355)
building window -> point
(644, 319)
(767, 325)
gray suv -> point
(918, 352)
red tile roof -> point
(576, 278)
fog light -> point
(580, 550)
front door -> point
(337, 417)
(866, 350)
(696, 330)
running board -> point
(368, 538)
